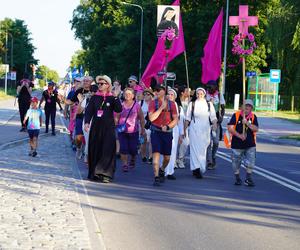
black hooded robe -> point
(102, 138)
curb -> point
(94, 230)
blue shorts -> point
(161, 142)
(129, 143)
(78, 126)
(33, 133)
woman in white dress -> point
(200, 119)
(177, 133)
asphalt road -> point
(188, 213)
(210, 213)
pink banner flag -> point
(158, 59)
(212, 60)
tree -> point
(45, 74)
(23, 48)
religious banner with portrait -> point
(167, 18)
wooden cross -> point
(243, 20)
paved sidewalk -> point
(39, 204)
(7, 110)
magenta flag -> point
(212, 60)
(158, 59)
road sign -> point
(275, 75)
(171, 76)
(251, 73)
(13, 75)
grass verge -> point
(291, 137)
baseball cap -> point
(249, 102)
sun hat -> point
(133, 78)
(148, 91)
(105, 78)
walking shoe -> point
(125, 168)
(180, 164)
(34, 154)
(197, 173)
(46, 131)
(22, 129)
(210, 166)
(30, 153)
(238, 182)
(156, 182)
(53, 133)
(249, 182)
(171, 177)
(150, 160)
(161, 175)
(144, 159)
(105, 179)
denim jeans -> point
(249, 157)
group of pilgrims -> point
(158, 123)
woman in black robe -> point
(102, 139)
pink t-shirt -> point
(132, 123)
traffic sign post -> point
(275, 75)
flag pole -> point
(187, 71)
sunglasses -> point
(147, 94)
(102, 83)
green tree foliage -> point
(78, 58)
(23, 48)
(109, 32)
(46, 74)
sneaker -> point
(214, 163)
(53, 133)
(180, 164)
(30, 153)
(171, 177)
(210, 166)
(144, 159)
(161, 175)
(22, 129)
(46, 131)
(105, 179)
(156, 182)
(197, 173)
(150, 160)
(125, 168)
(249, 182)
(34, 154)
(238, 182)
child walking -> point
(34, 117)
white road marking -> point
(267, 174)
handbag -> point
(122, 127)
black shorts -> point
(33, 133)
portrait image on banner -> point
(167, 17)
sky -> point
(48, 21)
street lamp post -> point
(141, 39)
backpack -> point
(228, 135)
(193, 110)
